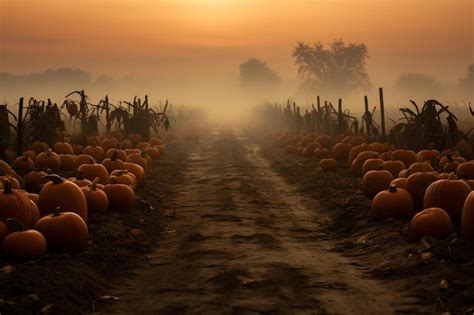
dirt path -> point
(244, 241)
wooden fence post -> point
(366, 115)
(339, 116)
(382, 113)
(19, 149)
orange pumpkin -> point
(39, 147)
(124, 177)
(142, 145)
(121, 197)
(372, 165)
(378, 147)
(417, 184)
(153, 152)
(121, 155)
(23, 164)
(393, 203)
(374, 182)
(134, 137)
(64, 232)
(420, 167)
(358, 163)
(23, 243)
(155, 141)
(467, 221)
(394, 167)
(447, 194)
(63, 148)
(139, 159)
(67, 162)
(109, 143)
(355, 152)
(408, 157)
(33, 182)
(328, 164)
(97, 200)
(320, 153)
(465, 170)
(427, 155)
(71, 197)
(93, 170)
(48, 160)
(96, 152)
(400, 182)
(341, 151)
(432, 221)
(14, 204)
(113, 163)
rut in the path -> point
(244, 241)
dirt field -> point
(238, 227)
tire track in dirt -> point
(244, 241)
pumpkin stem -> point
(380, 167)
(7, 187)
(49, 151)
(113, 180)
(56, 179)
(451, 176)
(94, 183)
(392, 188)
(14, 225)
(56, 212)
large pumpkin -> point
(372, 165)
(393, 203)
(394, 167)
(374, 182)
(58, 192)
(113, 163)
(467, 221)
(23, 165)
(137, 170)
(121, 197)
(14, 204)
(447, 194)
(408, 157)
(93, 170)
(432, 221)
(64, 231)
(465, 170)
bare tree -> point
(341, 67)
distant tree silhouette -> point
(340, 68)
(467, 83)
(417, 84)
(256, 74)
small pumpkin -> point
(58, 192)
(355, 152)
(140, 159)
(394, 167)
(432, 221)
(137, 170)
(420, 167)
(393, 203)
(124, 177)
(328, 164)
(23, 164)
(93, 170)
(65, 232)
(321, 153)
(408, 157)
(142, 145)
(121, 155)
(113, 163)
(97, 200)
(33, 182)
(155, 141)
(427, 155)
(372, 165)
(79, 180)
(39, 147)
(341, 151)
(23, 243)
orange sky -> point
(186, 38)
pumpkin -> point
(78, 149)
(79, 180)
(96, 152)
(432, 221)
(427, 155)
(109, 143)
(161, 148)
(93, 170)
(341, 151)
(417, 184)
(393, 203)
(63, 148)
(378, 147)
(23, 164)
(93, 140)
(121, 197)
(126, 144)
(33, 182)
(465, 170)
(408, 157)
(372, 165)
(155, 141)
(420, 167)
(467, 219)
(14, 204)
(132, 151)
(58, 192)
(83, 159)
(39, 147)
(67, 162)
(446, 176)
(447, 194)
(324, 141)
(13, 181)
(328, 164)
(48, 160)
(137, 170)
(134, 137)
(387, 156)
(142, 145)
(140, 159)
(394, 167)
(31, 154)
(34, 213)
(124, 177)
(465, 149)
(113, 163)
(374, 182)
(153, 152)
(33, 197)
(97, 200)
(470, 182)
(400, 182)
(65, 232)
(355, 152)
(23, 243)
(357, 164)
(121, 155)
(321, 153)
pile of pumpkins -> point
(42, 208)
(432, 189)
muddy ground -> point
(239, 227)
